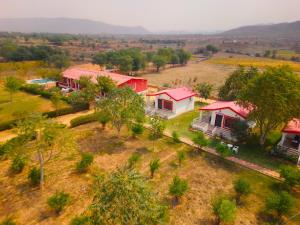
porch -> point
(290, 144)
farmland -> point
(206, 176)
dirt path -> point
(9, 134)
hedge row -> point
(36, 90)
(84, 119)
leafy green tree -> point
(59, 60)
(212, 49)
(58, 201)
(126, 64)
(124, 197)
(50, 139)
(240, 130)
(159, 61)
(181, 156)
(105, 85)
(157, 127)
(200, 141)
(154, 165)
(204, 90)
(12, 85)
(137, 129)
(269, 98)
(174, 59)
(291, 176)
(18, 164)
(223, 150)
(99, 59)
(224, 209)
(183, 56)
(236, 82)
(88, 90)
(178, 188)
(86, 160)
(103, 118)
(124, 107)
(279, 203)
(242, 188)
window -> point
(228, 122)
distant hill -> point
(65, 25)
(280, 30)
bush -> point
(133, 159)
(224, 209)
(34, 176)
(291, 176)
(86, 160)
(200, 140)
(58, 201)
(177, 188)
(154, 165)
(18, 164)
(137, 129)
(103, 118)
(242, 188)
(8, 221)
(80, 220)
(223, 150)
(67, 110)
(181, 155)
(175, 137)
(84, 119)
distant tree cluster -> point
(54, 57)
(133, 59)
(162, 41)
(208, 50)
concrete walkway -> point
(249, 165)
(65, 119)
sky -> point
(161, 15)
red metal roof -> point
(292, 127)
(177, 94)
(233, 106)
(76, 73)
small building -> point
(72, 75)
(171, 102)
(216, 119)
(290, 140)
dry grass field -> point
(206, 175)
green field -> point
(21, 105)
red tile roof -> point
(177, 94)
(76, 73)
(292, 127)
(233, 106)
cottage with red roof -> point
(217, 118)
(71, 75)
(171, 102)
(290, 140)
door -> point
(159, 103)
(168, 105)
(218, 120)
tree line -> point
(133, 59)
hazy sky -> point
(161, 15)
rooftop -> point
(177, 93)
(293, 126)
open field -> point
(206, 175)
(22, 104)
(193, 73)
(287, 54)
(249, 61)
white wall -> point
(226, 112)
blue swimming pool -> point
(40, 81)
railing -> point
(166, 114)
(288, 150)
(198, 124)
(222, 132)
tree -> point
(60, 61)
(178, 188)
(154, 165)
(125, 64)
(174, 59)
(181, 156)
(157, 127)
(12, 85)
(99, 59)
(56, 100)
(103, 118)
(204, 90)
(291, 176)
(236, 82)
(159, 61)
(184, 56)
(88, 90)
(280, 203)
(212, 49)
(240, 130)
(124, 197)
(242, 188)
(50, 139)
(224, 209)
(137, 129)
(200, 141)
(124, 107)
(58, 201)
(105, 85)
(269, 97)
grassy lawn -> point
(22, 104)
(207, 176)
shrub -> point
(137, 129)
(224, 209)
(154, 165)
(80, 220)
(18, 164)
(67, 110)
(175, 137)
(291, 176)
(240, 130)
(223, 150)
(242, 188)
(200, 140)
(34, 176)
(280, 203)
(133, 159)
(8, 221)
(181, 155)
(84, 119)
(177, 188)
(103, 119)
(58, 201)
(85, 162)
